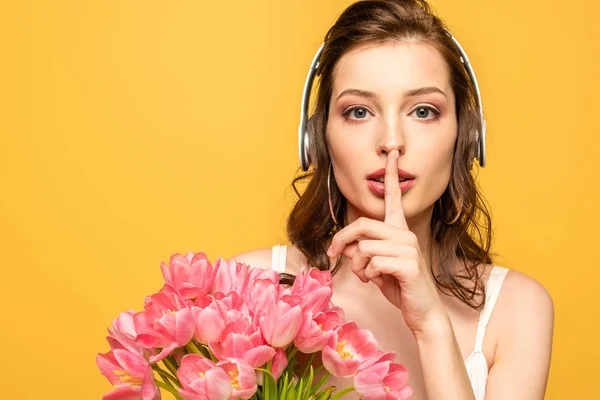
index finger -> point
(394, 213)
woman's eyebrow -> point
(424, 90)
(358, 92)
(409, 93)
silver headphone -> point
(303, 141)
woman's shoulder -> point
(263, 258)
(524, 292)
(524, 314)
(260, 258)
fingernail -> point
(329, 251)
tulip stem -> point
(292, 352)
(209, 354)
(171, 365)
(321, 381)
(308, 364)
(167, 377)
(169, 389)
(342, 392)
(191, 346)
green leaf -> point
(342, 392)
(291, 394)
(299, 387)
(270, 383)
(320, 383)
(284, 386)
(325, 393)
(307, 391)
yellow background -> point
(131, 130)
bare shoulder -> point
(260, 258)
(523, 326)
(526, 316)
(523, 294)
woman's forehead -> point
(391, 67)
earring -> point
(329, 194)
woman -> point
(411, 261)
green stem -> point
(269, 393)
(170, 379)
(341, 393)
(170, 364)
(292, 353)
(192, 348)
(208, 354)
(169, 389)
(324, 378)
(307, 366)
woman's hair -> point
(461, 223)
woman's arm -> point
(442, 364)
(522, 361)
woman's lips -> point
(379, 187)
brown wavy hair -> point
(461, 222)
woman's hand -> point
(388, 254)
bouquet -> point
(230, 331)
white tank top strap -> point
(278, 259)
(494, 284)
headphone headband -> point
(303, 140)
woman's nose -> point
(391, 138)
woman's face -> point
(385, 97)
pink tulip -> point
(124, 323)
(280, 322)
(166, 322)
(315, 289)
(262, 287)
(242, 376)
(280, 362)
(316, 332)
(348, 348)
(309, 280)
(202, 379)
(259, 274)
(252, 349)
(130, 374)
(123, 334)
(209, 322)
(191, 276)
(220, 317)
(239, 322)
(383, 379)
(231, 276)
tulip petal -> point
(287, 327)
(124, 393)
(280, 362)
(132, 363)
(184, 326)
(219, 384)
(258, 356)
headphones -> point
(303, 140)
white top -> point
(476, 363)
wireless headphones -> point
(303, 140)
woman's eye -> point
(426, 113)
(356, 113)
